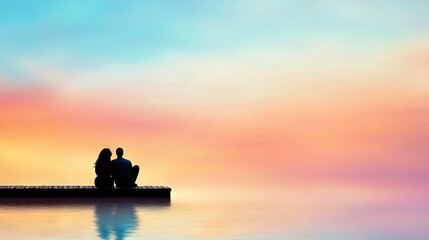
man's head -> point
(119, 152)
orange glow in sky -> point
(272, 104)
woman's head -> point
(104, 156)
(105, 153)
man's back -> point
(121, 171)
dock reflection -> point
(113, 217)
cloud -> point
(253, 117)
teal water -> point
(304, 214)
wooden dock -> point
(84, 191)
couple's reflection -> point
(119, 218)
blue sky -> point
(86, 34)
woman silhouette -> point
(103, 169)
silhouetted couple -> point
(119, 171)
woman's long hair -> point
(103, 157)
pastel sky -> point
(220, 92)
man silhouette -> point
(124, 174)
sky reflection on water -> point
(313, 213)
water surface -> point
(304, 213)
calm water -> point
(313, 213)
